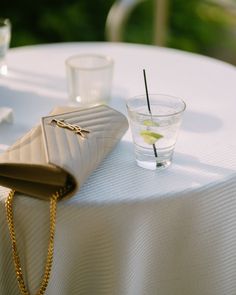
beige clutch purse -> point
(53, 160)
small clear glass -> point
(5, 38)
(155, 134)
(89, 79)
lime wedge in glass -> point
(149, 123)
(150, 137)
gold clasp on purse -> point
(73, 127)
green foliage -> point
(191, 28)
(48, 21)
(140, 25)
(193, 25)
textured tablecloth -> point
(130, 231)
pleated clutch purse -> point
(53, 160)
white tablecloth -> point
(130, 231)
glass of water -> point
(155, 129)
(5, 37)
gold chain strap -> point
(16, 258)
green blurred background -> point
(194, 25)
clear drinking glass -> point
(155, 134)
(5, 37)
(89, 78)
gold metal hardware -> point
(73, 127)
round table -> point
(130, 230)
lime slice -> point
(150, 137)
(150, 123)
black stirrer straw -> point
(149, 108)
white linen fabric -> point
(6, 115)
(175, 245)
(130, 231)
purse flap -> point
(78, 141)
(24, 167)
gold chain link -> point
(15, 254)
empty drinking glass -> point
(89, 78)
(5, 37)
